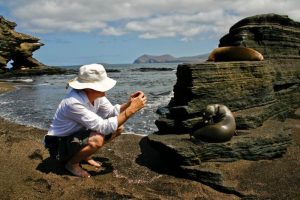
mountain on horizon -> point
(166, 58)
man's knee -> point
(96, 141)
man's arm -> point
(127, 104)
(137, 101)
(124, 106)
(90, 120)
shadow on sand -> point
(50, 165)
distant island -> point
(169, 59)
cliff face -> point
(17, 47)
(259, 93)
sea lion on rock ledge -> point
(234, 53)
(219, 124)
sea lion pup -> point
(219, 124)
(234, 53)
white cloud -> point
(112, 31)
(186, 19)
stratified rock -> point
(16, 46)
(259, 93)
(267, 142)
(275, 36)
(255, 91)
(201, 161)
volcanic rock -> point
(254, 90)
(260, 94)
(275, 36)
(18, 47)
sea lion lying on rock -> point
(235, 53)
(219, 124)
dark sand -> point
(128, 173)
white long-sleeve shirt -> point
(75, 112)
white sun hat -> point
(92, 76)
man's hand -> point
(137, 102)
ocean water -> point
(36, 98)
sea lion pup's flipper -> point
(234, 53)
(220, 124)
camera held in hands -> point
(137, 94)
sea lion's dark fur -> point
(235, 53)
(219, 124)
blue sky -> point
(117, 31)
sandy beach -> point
(28, 173)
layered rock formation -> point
(255, 91)
(275, 36)
(258, 92)
(17, 47)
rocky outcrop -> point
(17, 47)
(275, 36)
(259, 93)
(208, 162)
(168, 59)
(254, 90)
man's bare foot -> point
(76, 170)
(94, 163)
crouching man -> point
(85, 119)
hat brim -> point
(101, 86)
